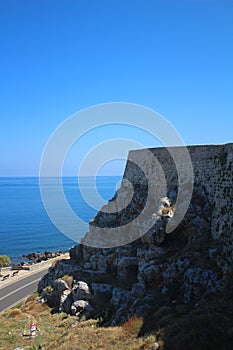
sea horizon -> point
(25, 226)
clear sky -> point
(60, 56)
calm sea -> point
(24, 224)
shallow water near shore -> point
(24, 224)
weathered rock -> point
(37, 257)
(65, 301)
(58, 270)
(198, 280)
(138, 290)
(60, 286)
(80, 307)
(187, 265)
(101, 288)
(102, 293)
(119, 297)
(81, 291)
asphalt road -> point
(11, 294)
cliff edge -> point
(175, 276)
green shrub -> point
(166, 320)
(161, 312)
(68, 279)
(48, 289)
(4, 260)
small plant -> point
(48, 289)
(32, 298)
(160, 313)
(15, 313)
(133, 325)
(4, 261)
(68, 279)
(17, 306)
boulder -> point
(80, 307)
(81, 291)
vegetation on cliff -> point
(64, 332)
(177, 327)
(4, 261)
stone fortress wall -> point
(209, 202)
(188, 265)
(213, 176)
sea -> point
(25, 226)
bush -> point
(133, 325)
(68, 279)
(4, 260)
(15, 313)
(48, 289)
(198, 330)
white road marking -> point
(16, 290)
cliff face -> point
(211, 201)
(186, 266)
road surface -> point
(12, 293)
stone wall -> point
(213, 176)
(162, 267)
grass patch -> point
(15, 313)
(17, 306)
(65, 332)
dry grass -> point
(63, 332)
(133, 325)
(14, 313)
(32, 298)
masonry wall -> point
(185, 267)
(213, 179)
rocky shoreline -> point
(37, 257)
(27, 260)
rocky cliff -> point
(168, 271)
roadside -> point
(10, 276)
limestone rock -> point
(81, 291)
(198, 280)
(187, 266)
(101, 288)
(119, 297)
(80, 307)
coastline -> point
(25, 224)
(31, 269)
(35, 256)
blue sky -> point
(60, 56)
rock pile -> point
(37, 257)
(74, 299)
